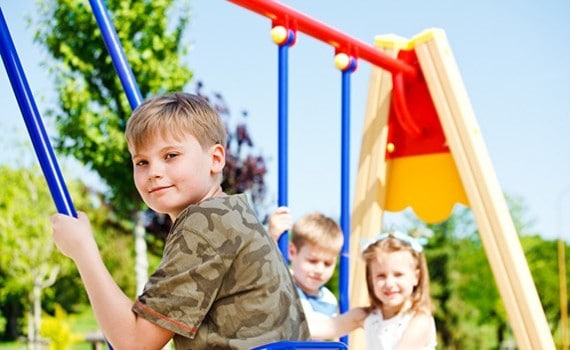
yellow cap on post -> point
(279, 34)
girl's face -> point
(394, 276)
(312, 266)
(172, 173)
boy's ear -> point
(292, 250)
(218, 153)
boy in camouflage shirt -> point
(222, 282)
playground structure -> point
(418, 116)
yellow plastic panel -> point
(429, 184)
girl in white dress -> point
(398, 287)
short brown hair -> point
(175, 114)
(317, 229)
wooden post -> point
(488, 204)
(469, 153)
(563, 293)
(370, 188)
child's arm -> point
(279, 222)
(334, 327)
(112, 308)
(419, 332)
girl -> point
(398, 287)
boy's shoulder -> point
(219, 206)
(222, 216)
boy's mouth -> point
(157, 189)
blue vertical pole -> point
(34, 124)
(345, 194)
(282, 137)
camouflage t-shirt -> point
(222, 283)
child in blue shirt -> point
(316, 242)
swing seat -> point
(305, 345)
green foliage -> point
(27, 248)
(542, 257)
(58, 330)
(462, 299)
(93, 108)
(25, 238)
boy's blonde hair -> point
(175, 115)
(420, 298)
(319, 230)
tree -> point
(460, 296)
(29, 262)
(31, 265)
(542, 258)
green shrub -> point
(58, 330)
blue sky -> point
(513, 57)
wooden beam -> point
(487, 201)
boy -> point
(316, 242)
(221, 282)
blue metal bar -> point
(119, 59)
(34, 124)
(117, 53)
(298, 345)
(283, 135)
(345, 194)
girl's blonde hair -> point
(420, 298)
(175, 115)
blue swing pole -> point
(284, 38)
(118, 57)
(347, 69)
(34, 124)
(117, 53)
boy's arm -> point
(279, 222)
(419, 332)
(326, 328)
(112, 308)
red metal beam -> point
(297, 21)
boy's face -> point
(171, 174)
(312, 266)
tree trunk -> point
(141, 259)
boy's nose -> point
(319, 268)
(155, 171)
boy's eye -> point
(170, 155)
(141, 163)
